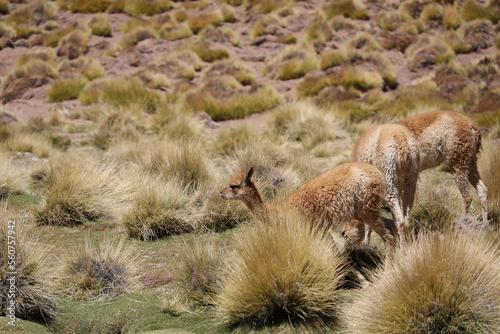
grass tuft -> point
(199, 273)
(281, 271)
(225, 98)
(293, 62)
(489, 164)
(13, 180)
(66, 89)
(109, 269)
(437, 284)
(100, 26)
(35, 296)
(159, 210)
(79, 191)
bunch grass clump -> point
(35, 292)
(109, 269)
(82, 190)
(66, 89)
(225, 98)
(13, 180)
(200, 21)
(126, 92)
(305, 123)
(199, 272)
(440, 283)
(354, 9)
(33, 142)
(281, 271)
(434, 210)
(294, 62)
(100, 25)
(159, 209)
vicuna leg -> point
(463, 185)
(355, 233)
(397, 213)
(482, 191)
(410, 186)
(374, 220)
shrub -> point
(281, 271)
(158, 210)
(437, 284)
(12, 179)
(65, 89)
(80, 191)
(35, 295)
(103, 270)
(294, 62)
(225, 98)
(201, 264)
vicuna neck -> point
(258, 207)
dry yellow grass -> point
(440, 283)
(35, 292)
(13, 180)
(81, 190)
(281, 271)
(91, 271)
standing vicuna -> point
(349, 191)
(395, 152)
(451, 138)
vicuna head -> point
(240, 186)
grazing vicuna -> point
(395, 152)
(451, 138)
(349, 191)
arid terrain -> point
(122, 120)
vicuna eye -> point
(232, 186)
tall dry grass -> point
(440, 283)
(199, 272)
(160, 209)
(35, 292)
(281, 271)
(82, 189)
(489, 168)
(13, 180)
(92, 270)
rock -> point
(206, 119)
(6, 118)
(24, 159)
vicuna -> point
(352, 191)
(451, 138)
(395, 151)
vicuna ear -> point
(248, 177)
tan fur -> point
(349, 191)
(451, 138)
(395, 152)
